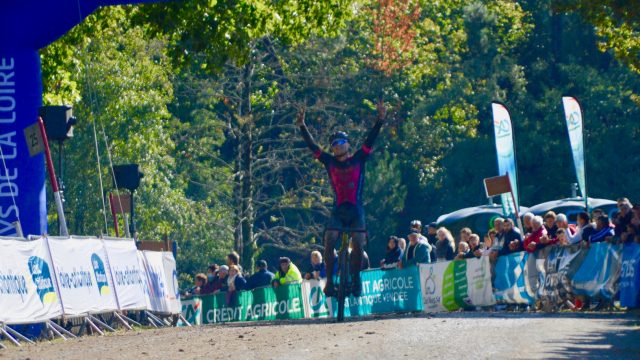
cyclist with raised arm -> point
(346, 172)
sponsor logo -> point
(41, 276)
(101, 275)
(316, 298)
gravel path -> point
(467, 335)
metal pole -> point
(54, 183)
(132, 225)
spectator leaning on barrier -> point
(474, 247)
(499, 239)
(604, 231)
(464, 235)
(534, 240)
(512, 238)
(445, 247)
(261, 278)
(488, 242)
(550, 223)
(622, 218)
(402, 244)
(582, 227)
(463, 250)
(199, 282)
(635, 223)
(393, 254)
(235, 281)
(212, 277)
(526, 221)
(287, 274)
(417, 252)
(318, 268)
(221, 285)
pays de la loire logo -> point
(101, 275)
(41, 276)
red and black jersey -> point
(347, 177)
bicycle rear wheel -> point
(343, 282)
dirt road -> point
(466, 335)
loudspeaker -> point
(58, 121)
(127, 176)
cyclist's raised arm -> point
(373, 133)
(306, 135)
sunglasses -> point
(339, 142)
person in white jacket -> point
(583, 223)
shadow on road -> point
(610, 344)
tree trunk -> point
(248, 245)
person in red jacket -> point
(538, 237)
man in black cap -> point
(262, 277)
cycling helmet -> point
(339, 137)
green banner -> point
(448, 288)
(461, 285)
(283, 302)
(385, 291)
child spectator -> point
(463, 250)
(287, 274)
(474, 247)
(445, 247)
(199, 283)
(318, 268)
(393, 255)
(261, 278)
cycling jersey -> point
(347, 177)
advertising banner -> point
(283, 302)
(478, 278)
(599, 273)
(81, 271)
(191, 311)
(506, 155)
(28, 291)
(630, 276)
(384, 291)
(511, 283)
(126, 274)
(573, 116)
(315, 302)
(436, 282)
(161, 282)
(560, 266)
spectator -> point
(287, 274)
(582, 227)
(212, 278)
(234, 259)
(221, 285)
(402, 244)
(534, 240)
(445, 247)
(261, 278)
(417, 252)
(604, 231)
(563, 223)
(235, 281)
(499, 239)
(488, 242)
(463, 250)
(526, 219)
(366, 264)
(561, 235)
(623, 217)
(512, 238)
(595, 214)
(432, 238)
(199, 282)
(318, 268)
(550, 223)
(474, 247)
(464, 235)
(393, 255)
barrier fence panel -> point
(630, 276)
(283, 302)
(511, 282)
(599, 273)
(28, 292)
(450, 285)
(560, 266)
(384, 291)
(81, 274)
(315, 302)
(161, 285)
(126, 273)
(191, 311)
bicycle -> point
(344, 270)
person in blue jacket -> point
(261, 278)
(417, 252)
